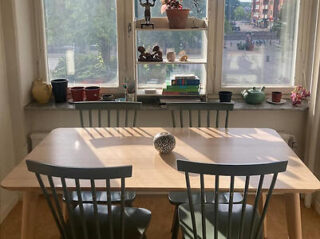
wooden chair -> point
(232, 221)
(90, 220)
(109, 107)
(199, 107)
(178, 198)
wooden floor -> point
(162, 213)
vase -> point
(164, 142)
(60, 90)
(41, 91)
(177, 18)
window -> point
(262, 49)
(239, 44)
(192, 42)
(81, 40)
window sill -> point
(240, 105)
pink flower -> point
(299, 94)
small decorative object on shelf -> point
(164, 142)
(298, 95)
(254, 96)
(171, 56)
(177, 15)
(147, 13)
(184, 58)
(41, 91)
(155, 56)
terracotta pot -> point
(41, 91)
(77, 93)
(276, 96)
(92, 93)
(177, 18)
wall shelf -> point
(162, 24)
(166, 62)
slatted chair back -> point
(231, 171)
(108, 107)
(199, 107)
(73, 176)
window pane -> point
(199, 12)
(192, 43)
(82, 41)
(260, 42)
(157, 75)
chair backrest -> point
(109, 107)
(231, 171)
(199, 107)
(73, 176)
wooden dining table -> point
(155, 172)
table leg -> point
(293, 213)
(29, 209)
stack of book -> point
(183, 85)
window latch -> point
(129, 28)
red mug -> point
(92, 93)
(276, 96)
(77, 93)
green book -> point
(183, 87)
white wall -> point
(7, 155)
(292, 122)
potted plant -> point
(177, 15)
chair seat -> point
(177, 198)
(136, 221)
(102, 197)
(186, 222)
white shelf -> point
(162, 24)
(166, 62)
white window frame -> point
(124, 49)
(215, 37)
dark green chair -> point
(90, 220)
(178, 198)
(209, 108)
(226, 221)
(112, 109)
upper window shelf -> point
(162, 24)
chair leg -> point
(175, 224)
(262, 202)
(65, 211)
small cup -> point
(92, 93)
(77, 93)
(276, 96)
(225, 96)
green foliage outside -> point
(83, 25)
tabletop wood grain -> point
(106, 147)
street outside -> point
(269, 63)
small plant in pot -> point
(177, 15)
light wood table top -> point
(106, 147)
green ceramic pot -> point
(254, 96)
